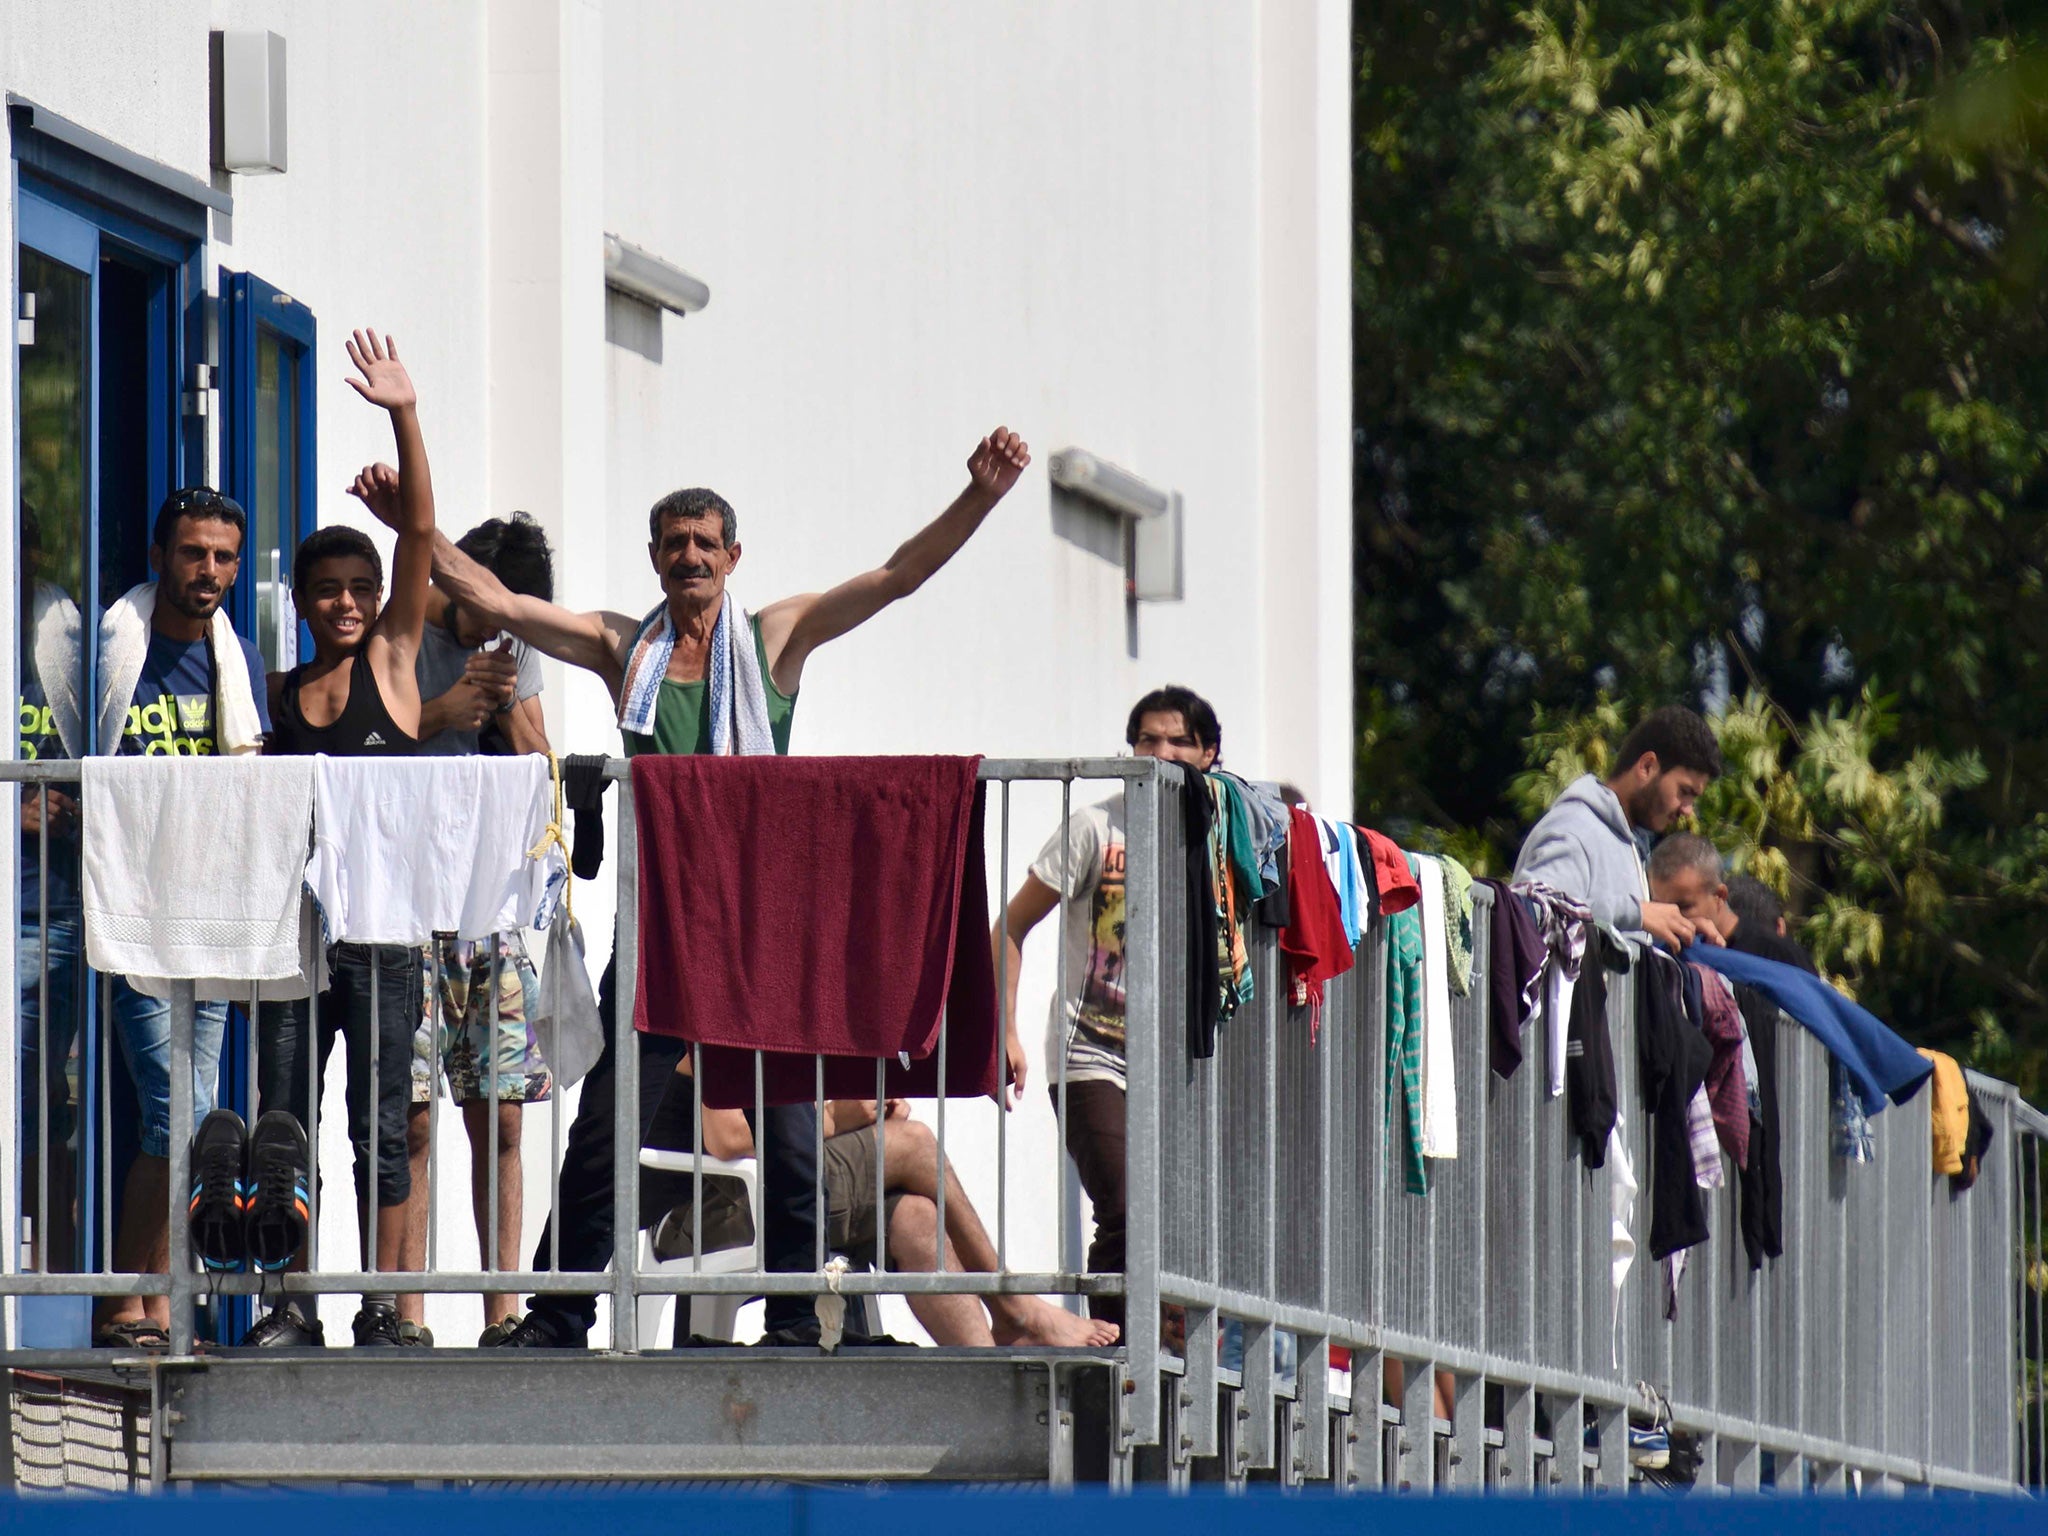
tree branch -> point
(1960, 235)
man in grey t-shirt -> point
(480, 692)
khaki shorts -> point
(849, 1171)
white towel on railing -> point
(405, 848)
(1439, 1065)
(194, 867)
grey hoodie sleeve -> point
(1558, 857)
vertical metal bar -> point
(761, 1160)
(314, 1049)
(181, 1282)
(42, 1088)
(1143, 1042)
(939, 1249)
(697, 1164)
(881, 1172)
(106, 1123)
(438, 977)
(818, 1160)
(1069, 1260)
(493, 1262)
(1009, 1023)
(371, 1198)
(626, 1105)
(1418, 1424)
(555, 1156)
(1468, 1430)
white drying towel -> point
(1439, 1066)
(124, 646)
(1557, 1019)
(1621, 1209)
(405, 848)
(55, 648)
(194, 866)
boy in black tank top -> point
(358, 697)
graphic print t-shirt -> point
(37, 740)
(1085, 864)
(172, 711)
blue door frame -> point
(250, 308)
(89, 236)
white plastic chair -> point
(712, 1316)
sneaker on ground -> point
(219, 1192)
(415, 1335)
(279, 1205)
(499, 1332)
(538, 1331)
(1649, 1449)
(377, 1328)
(285, 1327)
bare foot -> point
(1037, 1321)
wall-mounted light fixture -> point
(248, 102)
(648, 278)
(1152, 543)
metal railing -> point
(1264, 1190)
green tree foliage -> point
(1701, 354)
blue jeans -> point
(30, 954)
(143, 1025)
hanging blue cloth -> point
(1880, 1064)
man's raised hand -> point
(997, 461)
(384, 382)
(376, 487)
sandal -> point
(138, 1335)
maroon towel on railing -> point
(836, 906)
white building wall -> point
(1123, 228)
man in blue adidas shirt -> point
(171, 708)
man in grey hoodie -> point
(1585, 844)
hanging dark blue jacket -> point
(1880, 1064)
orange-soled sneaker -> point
(218, 1209)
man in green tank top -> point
(693, 545)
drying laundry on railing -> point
(198, 868)
(407, 848)
(194, 870)
(1879, 1064)
(817, 906)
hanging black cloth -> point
(1204, 981)
(583, 787)
(1975, 1144)
(1763, 1180)
(1672, 1058)
(1590, 1090)
(1516, 955)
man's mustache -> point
(684, 572)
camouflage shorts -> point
(465, 1023)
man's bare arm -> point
(597, 641)
(794, 627)
(525, 727)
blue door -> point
(101, 440)
(267, 458)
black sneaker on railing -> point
(279, 1204)
(285, 1327)
(377, 1328)
(219, 1193)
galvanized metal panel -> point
(691, 1414)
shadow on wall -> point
(1101, 533)
(633, 325)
